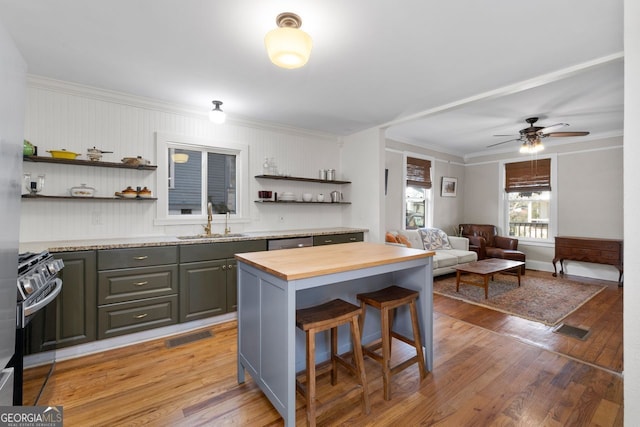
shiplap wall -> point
(63, 115)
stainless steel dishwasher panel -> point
(289, 243)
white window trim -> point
(503, 212)
(168, 140)
(430, 193)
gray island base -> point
(272, 285)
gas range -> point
(38, 283)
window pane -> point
(415, 208)
(221, 182)
(185, 183)
(529, 214)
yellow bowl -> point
(63, 154)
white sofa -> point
(445, 260)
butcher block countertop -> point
(302, 263)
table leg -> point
(458, 281)
(486, 285)
(519, 270)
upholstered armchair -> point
(484, 240)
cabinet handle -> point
(141, 283)
(141, 316)
(224, 267)
(353, 239)
(328, 241)
(230, 266)
(140, 258)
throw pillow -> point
(434, 238)
(389, 237)
(403, 240)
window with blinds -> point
(529, 176)
(418, 173)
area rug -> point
(543, 300)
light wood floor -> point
(489, 369)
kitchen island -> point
(272, 285)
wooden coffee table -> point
(486, 268)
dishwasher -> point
(289, 243)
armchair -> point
(484, 240)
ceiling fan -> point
(532, 135)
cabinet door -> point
(232, 285)
(203, 289)
(71, 320)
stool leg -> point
(386, 353)
(363, 312)
(392, 314)
(416, 338)
(311, 377)
(334, 353)
(359, 362)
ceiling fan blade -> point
(556, 134)
(549, 129)
(503, 142)
(510, 134)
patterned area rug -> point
(543, 300)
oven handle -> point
(46, 300)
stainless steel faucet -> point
(207, 228)
(227, 229)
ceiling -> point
(443, 75)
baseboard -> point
(122, 341)
(575, 268)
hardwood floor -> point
(489, 369)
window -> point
(198, 172)
(529, 200)
(417, 192)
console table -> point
(588, 249)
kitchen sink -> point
(210, 236)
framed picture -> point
(449, 187)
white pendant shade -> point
(216, 115)
(288, 46)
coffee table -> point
(486, 268)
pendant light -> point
(216, 115)
(288, 46)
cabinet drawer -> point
(337, 238)
(136, 316)
(109, 259)
(136, 283)
(210, 251)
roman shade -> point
(418, 173)
(529, 176)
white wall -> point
(631, 209)
(363, 163)
(62, 115)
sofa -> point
(450, 250)
(484, 240)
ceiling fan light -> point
(288, 46)
(180, 157)
(216, 115)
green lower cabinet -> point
(71, 320)
(135, 316)
(332, 239)
(203, 289)
(232, 285)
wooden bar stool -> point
(319, 318)
(387, 300)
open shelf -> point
(296, 178)
(301, 202)
(87, 163)
(38, 197)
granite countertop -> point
(147, 241)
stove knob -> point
(27, 286)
